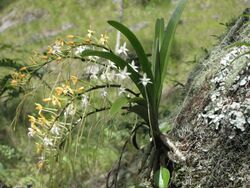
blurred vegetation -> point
(28, 26)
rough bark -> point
(212, 128)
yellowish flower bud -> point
(59, 42)
(14, 83)
(67, 89)
(45, 57)
(50, 50)
(21, 76)
(40, 164)
(39, 148)
(59, 90)
(39, 107)
(46, 99)
(55, 101)
(70, 36)
(42, 120)
(74, 79)
(31, 118)
(70, 43)
(87, 41)
(23, 68)
(80, 89)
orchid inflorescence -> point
(113, 80)
(70, 101)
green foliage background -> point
(36, 24)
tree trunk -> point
(212, 128)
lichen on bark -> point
(212, 128)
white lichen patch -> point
(216, 146)
(224, 109)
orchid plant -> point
(149, 80)
(62, 112)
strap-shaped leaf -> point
(157, 82)
(159, 32)
(143, 60)
(169, 33)
(141, 111)
(119, 62)
(158, 39)
(136, 45)
(168, 39)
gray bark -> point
(212, 126)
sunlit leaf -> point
(159, 31)
(167, 41)
(162, 177)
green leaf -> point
(170, 31)
(167, 41)
(117, 105)
(141, 111)
(157, 73)
(136, 45)
(162, 177)
(143, 60)
(159, 32)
